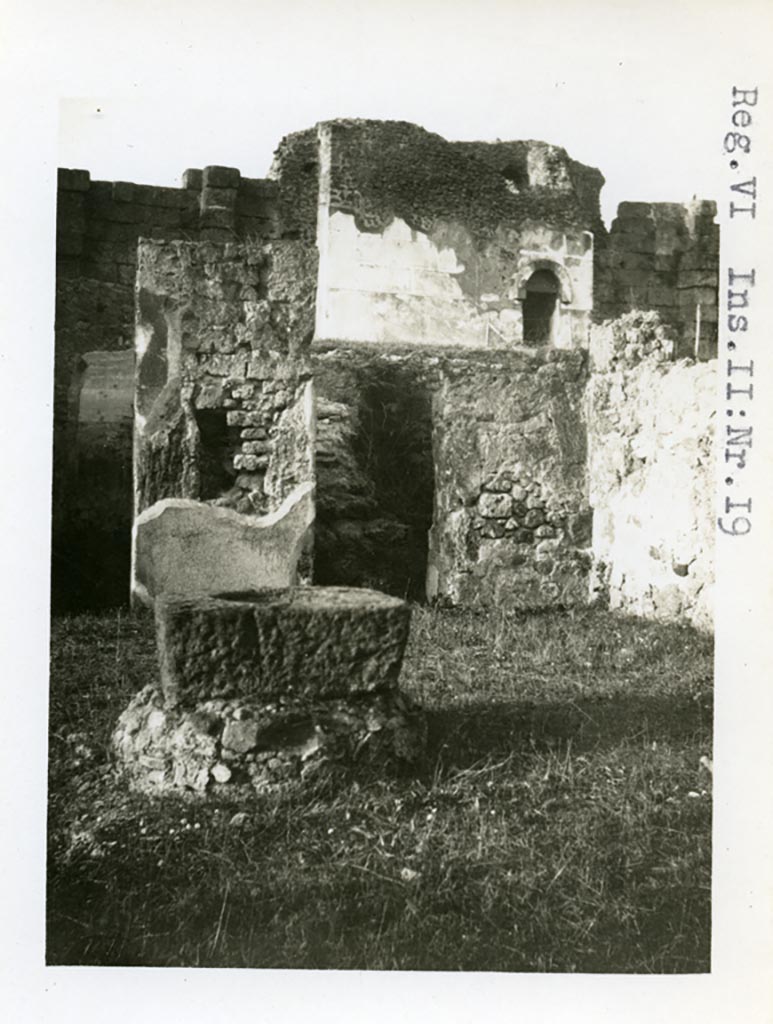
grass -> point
(559, 822)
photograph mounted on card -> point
(387, 439)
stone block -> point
(217, 217)
(501, 484)
(250, 463)
(123, 191)
(221, 177)
(224, 198)
(187, 547)
(633, 211)
(699, 278)
(73, 180)
(193, 178)
(255, 447)
(534, 517)
(209, 395)
(495, 505)
(240, 736)
(315, 642)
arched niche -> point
(542, 286)
(529, 267)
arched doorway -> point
(539, 307)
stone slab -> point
(319, 642)
(191, 548)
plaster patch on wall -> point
(394, 286)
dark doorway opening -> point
(375, 478)
(218, 445)
(539, 307)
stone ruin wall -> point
(99, 225)
(461, 472)
(424, 241)
(512, 523)
(494, 433)
(651, 472)
(223, 395)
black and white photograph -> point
(396, 547)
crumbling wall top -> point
(383, 169)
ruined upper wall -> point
(383, 169)
(295, 170)
(538, 171)
(425, 241)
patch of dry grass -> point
(560, 821)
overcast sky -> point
(629, 88)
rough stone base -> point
(240, 747)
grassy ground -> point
(560, 822)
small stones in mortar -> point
(640, 335)
(513, 506)
(240, 746)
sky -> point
(629, 89)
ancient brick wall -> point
(98, 226)
(651, 470)
(663, 257)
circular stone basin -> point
(302, 641)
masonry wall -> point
(477, 493)
(99, 225)
(512, 524)
(424, 241)
(651, 470)
(663, 257)
(429, 410)
(223, 406)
